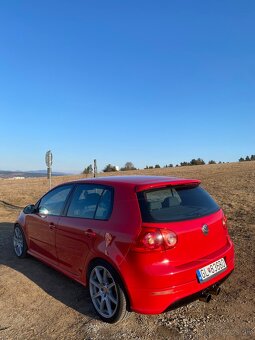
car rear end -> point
(183, 249)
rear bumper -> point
(193, 297)
(156, 287)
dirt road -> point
(37, 302)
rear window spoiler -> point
(182, 182)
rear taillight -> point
(169, 237)
(155, 239)
(224, 222)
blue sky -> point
(142, 81)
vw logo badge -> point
(205, 229)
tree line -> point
(126, 167)
(110, 168)
(130, 166)
(247, 158)
(198, 161)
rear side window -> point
(90, 201)
(104, 207)
(175, 204)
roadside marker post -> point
(48, 161)
(95, 168)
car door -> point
(81, 227)
(41, 225)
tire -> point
(106, 293)
(19, 242)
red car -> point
(141, 243)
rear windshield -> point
(175, 204)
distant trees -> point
(88, 170)
(198, 161)
(128, 166)
(247, 158)
(157, 166)
(109, 168)
(194, 161)
(185, 163)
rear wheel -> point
(19, 242)
(107, 294)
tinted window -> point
(104, 208)
(53, 202)
(175, 204)
(90, 201)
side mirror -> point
(29, 209)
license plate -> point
(211, 270)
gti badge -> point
(205, 229)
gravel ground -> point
(37, 302)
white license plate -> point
(211, 270)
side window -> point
(53, 202)
(90, 201)
(104, 208)
(84, 201)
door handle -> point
(90, 233)
(52, 226)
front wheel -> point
(106, 293)
(19, 242)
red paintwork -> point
(153, 280)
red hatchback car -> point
(141, 243)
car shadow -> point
(60, 287)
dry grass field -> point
(37, 302)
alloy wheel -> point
(103, 292)
(18, 241)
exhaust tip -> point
(215, 291)
(205, 298)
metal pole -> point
(50, 178)
(95, 167)
(49, 175)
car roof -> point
(139, 183)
